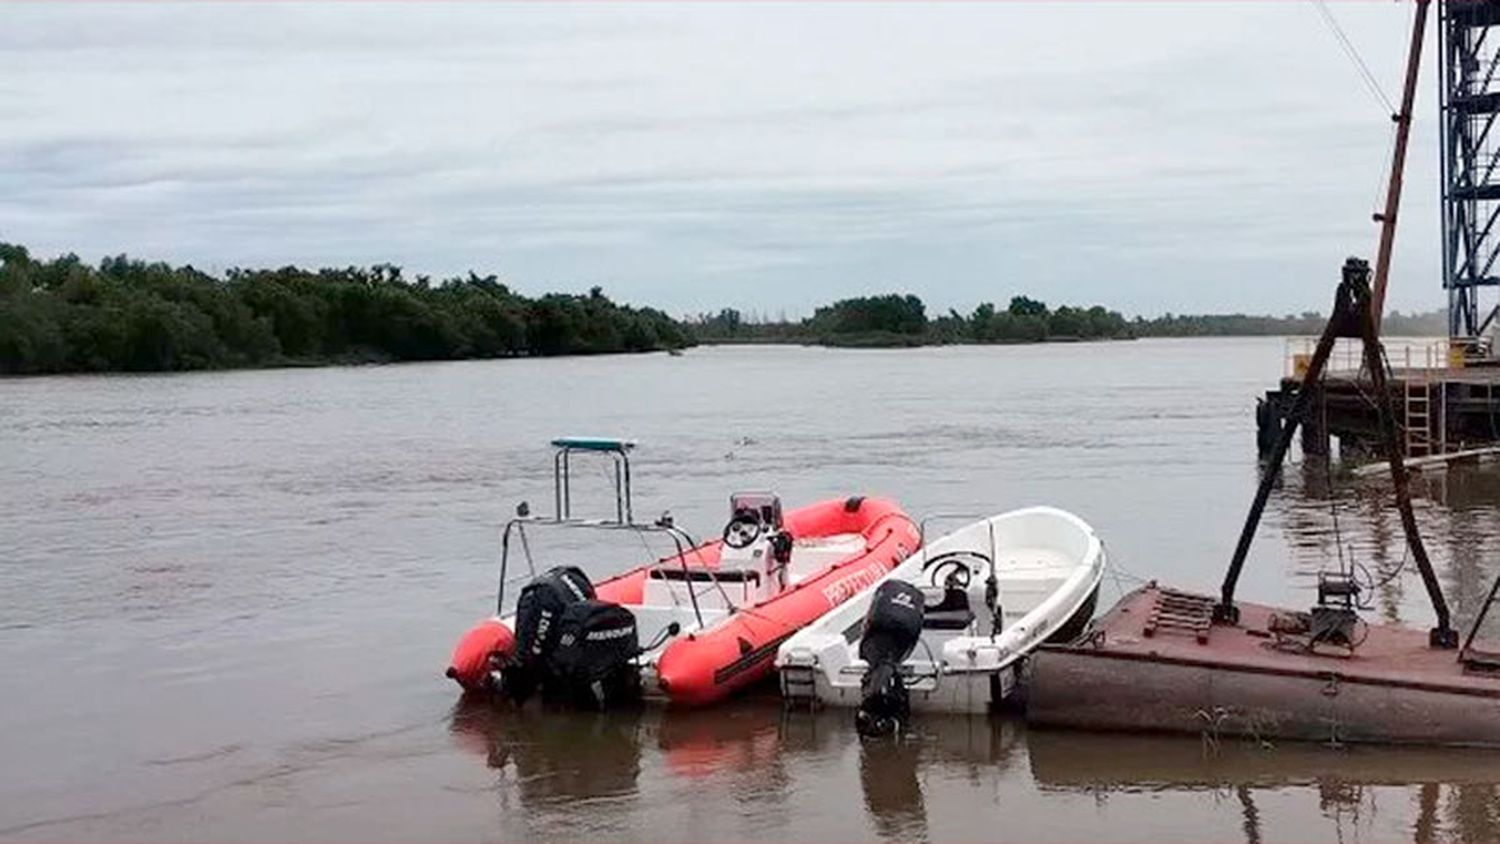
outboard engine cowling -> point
(538, 613)
(892, 627)
(593, 662)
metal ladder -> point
(798, 685)
(1418, 425)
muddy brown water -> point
(226, 599)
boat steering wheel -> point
(742, 530)
(953, 566)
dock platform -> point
(1446, 396)
(1156, 662)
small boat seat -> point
(703, 575)
(670, 585)
(950, 612)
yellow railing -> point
(1404, 353)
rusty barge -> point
(1173, 661)
(1157, 662)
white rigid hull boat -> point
(1040, 567)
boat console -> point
(751, 516)
(755, 539)
(751, 565)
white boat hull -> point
(1047, 565)
(970, 693)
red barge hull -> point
(1152, 665)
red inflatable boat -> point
(697, 625)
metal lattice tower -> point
(1469, 82)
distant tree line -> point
(897, 320)
(1394, 324)
(64, 315)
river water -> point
(226, 599)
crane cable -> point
(1372, 85)
(1349, 566)
(1352, 52)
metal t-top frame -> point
(684, 544)
(618, 451)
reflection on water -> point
(1459, 515)
(893, 794)
(1453, 791)
(226, 599)
(554, 756)
(756, 759)
(753, 753)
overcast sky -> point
(1151, 157)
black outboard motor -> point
(892, 627)
(593, 662)
(538, 613)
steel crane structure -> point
(1469, 97)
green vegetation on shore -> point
(126, 315)
(1395, 324)
(64, 315)
(895, 320)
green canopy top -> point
(594, 444)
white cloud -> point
(1149, 156)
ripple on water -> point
(228, 598)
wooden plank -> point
(1430, 460)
